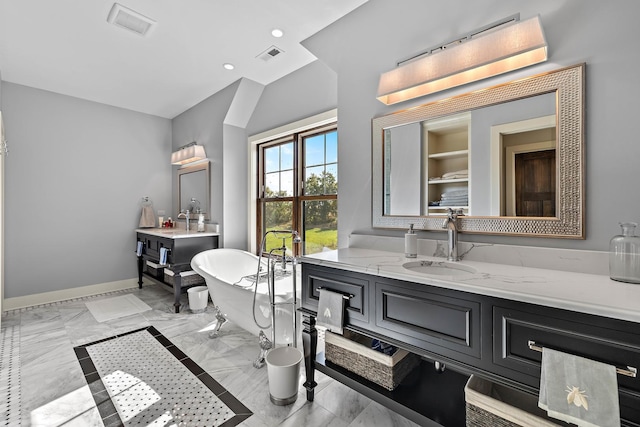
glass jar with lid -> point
(624, 255)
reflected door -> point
(535, 175)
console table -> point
(180, 245)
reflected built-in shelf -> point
(447, 181)
(449, 154)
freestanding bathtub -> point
(227, 273)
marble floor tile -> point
(376, 414)
(53, 391)
(73, 407)
(313, 416)
(45, 385)
(342, 401)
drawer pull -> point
(630, 371)
(344, 295)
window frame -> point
(298, 198)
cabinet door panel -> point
(349, 284)
(513, 329)
(427, 319)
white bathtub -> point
(225, 270)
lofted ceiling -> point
(68, 47)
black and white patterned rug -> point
(141, 378)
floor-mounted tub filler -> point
(231, 275)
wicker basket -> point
(353, 352)
(489, 404)
(154, 269)
(188, 278)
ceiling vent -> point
(130, 20)
(270, 53)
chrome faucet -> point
(186, 216)
(451, 224)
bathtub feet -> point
(265, 345)
(220, 320)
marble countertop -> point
(175, 233)
(587, 293)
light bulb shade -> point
(505, 49)
(188, 154)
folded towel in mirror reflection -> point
(148, 217)
(455, 193)
(163, 256)
(454, 198)
(578, 390)
(331, 311)
(464, 173)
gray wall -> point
(373, 37)
(203, 123)
(236, 185)
(304, 93)
(75, 176)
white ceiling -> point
(68, 47)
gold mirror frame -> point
(568, 84)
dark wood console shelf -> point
(469, 333)
(180, 251)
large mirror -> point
(510, 157)
(194, 189)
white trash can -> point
(198, 298)
(283, 371)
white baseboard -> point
(66, 294)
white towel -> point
(331, 311)
(464, 173)
(578, 390)
(455, 193)
(148, 217)
(163, 256)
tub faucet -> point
(186, 215)
(451, 224)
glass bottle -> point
(624, 255)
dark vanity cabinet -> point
(180, 250)
(470, 334)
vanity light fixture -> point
(188, 154)
(497, 48)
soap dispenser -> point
(411, 243)
(201, 222)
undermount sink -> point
(439, 268)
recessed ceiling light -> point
(277, 32)
(228, 66)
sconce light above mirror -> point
(500, 47)
(188, 154)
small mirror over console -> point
(194, 189)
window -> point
(298, 190)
